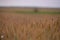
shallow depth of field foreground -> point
(29, 26)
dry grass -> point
(29, 26)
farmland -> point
(30, 10)
(18, 26)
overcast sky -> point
(31, 3)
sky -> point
(31, 3)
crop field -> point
(22, 26)
(30, 10)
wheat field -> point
(15, 26)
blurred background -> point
(30, 3)
(30, 6)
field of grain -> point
(15, 26)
